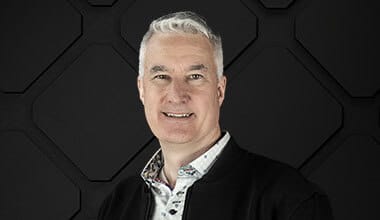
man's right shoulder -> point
(131, 183)
(128, 194)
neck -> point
(178, 155)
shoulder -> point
(277, 176)
(126, 188)
(260, 172)
(282, 186)
(129, 183)
(126, 192)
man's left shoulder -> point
(278, 177)
(284, 187)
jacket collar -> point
(228, 160)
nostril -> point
(178, 97)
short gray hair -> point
(183, 22)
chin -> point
(175, 137)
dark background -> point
(303, 88)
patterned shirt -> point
(169, 204)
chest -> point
(211, 201)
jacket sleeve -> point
(317, 207)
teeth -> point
(184, 115)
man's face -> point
(180, 90)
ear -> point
(140, 88)
(221, 89)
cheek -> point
(151, 105)
(151, 94)
(208, 104)
(149, 102)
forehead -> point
(179, 48)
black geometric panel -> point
(344, 37)
(276, 108)
(276, 3)
(31, 187)
(351, 177)
(101, 2)
(92, 112)
(237, 31)
(33, 35)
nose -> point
(178, 92)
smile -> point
(178, 115)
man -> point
(199, 171)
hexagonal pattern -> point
(341, 35)
(89, 112)
(30, 183)
(85, 101)
(351, 178)
(235, 37)
(101, 2)
(276, 3)
(33, 35)
(276, 108)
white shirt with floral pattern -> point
(169, 204)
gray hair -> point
(183, 22)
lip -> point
(178, 114)
(181, 116)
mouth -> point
(177, 115)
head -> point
(183, 23)
(181, 82)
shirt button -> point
(179, 193)
(172, 211)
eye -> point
(195, 76)
(161, 76)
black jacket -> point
(239, 186)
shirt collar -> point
(153, 167)
(197, 168)
(204, 162)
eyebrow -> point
(158, 68)
(162, 68)
(198, 67)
